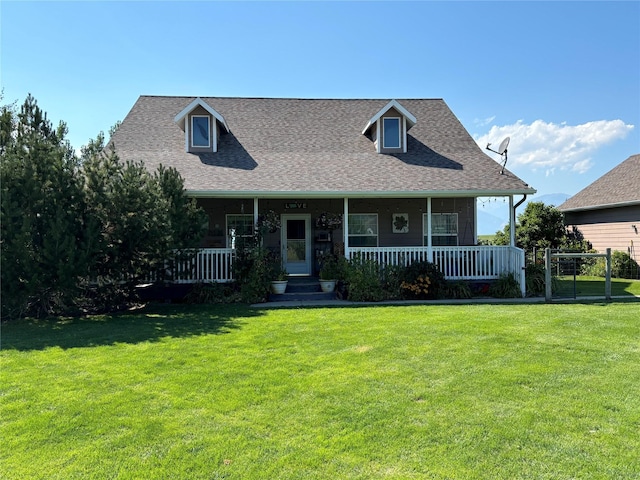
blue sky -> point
(562, 79)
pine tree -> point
(82, 232)
(144, 220)
(42, 215)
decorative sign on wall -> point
(295, 205)
(400, 223)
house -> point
(403, 174)
(607, 212)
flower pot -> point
(279, 286)
(327, 285)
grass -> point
(594, 286)
(413, 392)
(486, 238)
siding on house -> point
(218, 208)
(607, 211)
(615, 228)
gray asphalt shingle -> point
(621, 185)
(295, 146)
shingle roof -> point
(313, 147)
(618, 187)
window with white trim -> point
(444, 229)
(363, 230)
(238, 226)
(200, 131)
(391, 132)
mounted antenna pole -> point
(502, 151)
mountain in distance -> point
(555, 199)
(489, 224)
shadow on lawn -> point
(146, 325)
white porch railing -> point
(208, 265)
(457, 263)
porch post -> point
(475, 220)
(345, 223)
(512, 223)
(255, 211)
(429, 244)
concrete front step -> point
(301, 296)
(303, 285)
(302, 289)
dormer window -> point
(202, 126)
(388, 128)
(200, 131)
(391, 132)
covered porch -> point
(391, 231)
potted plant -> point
(329, 221)
(279, 279)
(269, 222)
(330, 272)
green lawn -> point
(413, 392)
(594, 286)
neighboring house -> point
(607, 212)
(404, 174)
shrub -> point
(594, 267)
(535, 279)
(363, 280)
(415, 279)
(456, 290)
(622, 266)
(253, 269)
(213, 293)
(419, 288)
(506, 286)
(392, 281)
(333, 267)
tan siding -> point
(617, 236)
(615, 228)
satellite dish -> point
(503, 146)
(502, 151)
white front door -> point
(296, 244)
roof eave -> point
(600, 207)
(356, 194)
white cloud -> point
(483, 122)
(551, 147)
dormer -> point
(388, 128)
(202, 127)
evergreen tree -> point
(143, 219)
(44, 249)
(82, 232)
